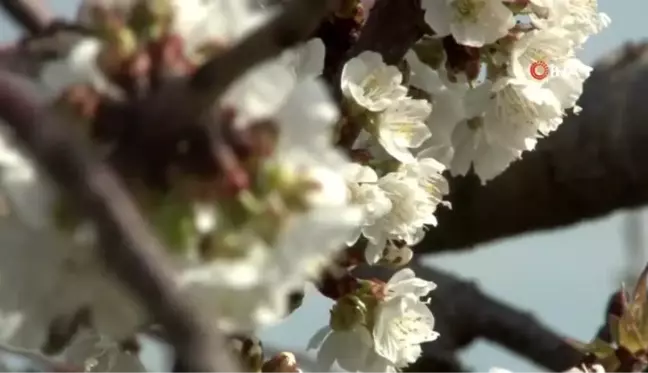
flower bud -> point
(283, 362)
(347, 313)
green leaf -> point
(597, 347)
(629, 336)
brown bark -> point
(594, 164)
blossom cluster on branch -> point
(285, 178)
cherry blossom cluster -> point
(297, 206)
(490, 124)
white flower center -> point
(405, 131)
(372, 86)
(405, 326)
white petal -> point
(308, 115)
(405, 282)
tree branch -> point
(463, 313)
(31, 15)
(593, 165)
(128, 247)
(392, 28)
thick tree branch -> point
(593, 165)
(128, 247)
(463, 313)
(392, 28)
(28, 14)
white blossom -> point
(261, 282)
(518, 107)
(260, 92)
(370, 83)
(251, 291)
(448, 108)
(404, 322)
(245, 293)
(44, 275)
(307, 59)
(580, 17)
(428, 171)
(412, 209)
(201, 22)
(471, 22)
(352, 350)
(264, 89)
(551, 51)
(308, 202)
(401, 127)
(500, 121)
(365, 192)
(550, 47)
(401, 323)
(568, 86)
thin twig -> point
(128, 247)
(292, 25)
(31, 15)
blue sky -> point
(542, 273)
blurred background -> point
(564, 276)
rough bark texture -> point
(593, 165)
